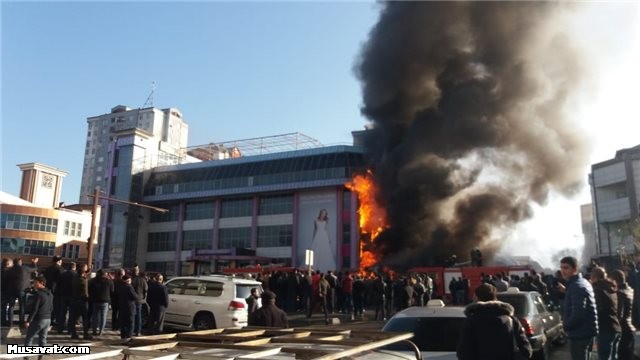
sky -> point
(239, 70)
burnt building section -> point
(468, 122)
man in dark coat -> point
(139, 284)
(22, 275)
(158, 300)
(115, 306)
(40, 316)
(64, 291)
(100, 290)
(269, 315)
(79, 304)
(127, 299)
(52, 274)
(607, 308)
(490, 331)
(579, 314)
(625, 303)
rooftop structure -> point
(253, 146)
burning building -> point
(468, 122)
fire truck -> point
(442, 275)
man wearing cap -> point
(269, 315)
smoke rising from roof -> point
(468, 104)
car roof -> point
(218, 278)
(428, 311)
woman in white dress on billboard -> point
(323, 249)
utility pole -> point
(95, 218)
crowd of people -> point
(346, 292)
(601, 308)
(64, 298)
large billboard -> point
(317, 229)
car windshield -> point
(517, 301)
(429, 334)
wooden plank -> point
(160, 346)
(98, 355)
(367, 347)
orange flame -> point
(372, 217)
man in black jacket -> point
(100, 290)
(40, 317)
(63, 293)
(79, 304)
(52, 274)
(158, 300)
(490, 331)
(607, 309)
(269, 315)
(127, 299)
(140, 286)
(22, 275)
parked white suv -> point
(208, 302)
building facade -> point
(246, 210)
(36, 225)
(165, 130)
(615, 191)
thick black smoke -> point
(468, 104)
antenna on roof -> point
(149, 102)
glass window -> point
(211, 288)
(176, 286)
(199, 211)
(172, 215)
(280, 204)
(197, 239)
(235, 237)
(236, 208)
(518, 302)
(162, 241)
(244, 290)
(275, 236)
(430, 334)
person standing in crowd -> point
(79, 304)
(609, 330)
(140, 286)
(252, 301)
(490, 332)
(428, 289)
(40, 317)
(501, 285)
(331, 298)
(52, 274)
(158, 300)
(269, 315)
(320, 297)
(100, 290)
(579, 314)
(358, 297)
(115, 296)
(347, 294)
(418, 292)
(64, 291)
(127, 300)
(23, 275)
(625, 302)
(7, 264)
(379, 289)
